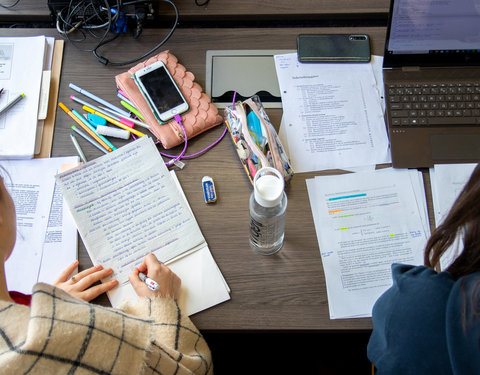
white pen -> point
(109, 112)
(152, 284)
(98, 100)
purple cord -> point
(182, 154)
(179, 121)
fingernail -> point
(98, 267)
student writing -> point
(60, 332)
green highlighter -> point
(132, 109)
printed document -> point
(127, 205)
(21, 67)
(332, 115)
(447, 181)
(365, 222)
(46, 235)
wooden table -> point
(276, 11)
(269, 11)
(282, 292)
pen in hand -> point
(152, 284)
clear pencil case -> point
(255, 139)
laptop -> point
(431, 74)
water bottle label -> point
(265, 234)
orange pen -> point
(89, 131)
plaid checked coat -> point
(60, 334)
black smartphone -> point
(333, 48)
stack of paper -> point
(364, 223)
(46, 234)
(126, 205)
(24, 68)
(332, 114)
(447, 181)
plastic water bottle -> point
(268, 205)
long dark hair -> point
(462, 220)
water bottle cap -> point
(268, 187)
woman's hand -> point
(169, 283)
(80, 285)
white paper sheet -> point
(32, 185)
(157, 210)
(203, 285)
(126, 205)
(333, 115)
(21, 66)
(60, 246)
(447, 181)
(364, 223)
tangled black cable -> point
(84, 17)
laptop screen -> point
(433, 33)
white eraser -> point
(113, 132)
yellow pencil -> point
(113, 121)
(89, 131)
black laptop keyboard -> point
(434, 104)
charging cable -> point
(175, 159)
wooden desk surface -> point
(282, 292)
(274, 9)
(35, 10)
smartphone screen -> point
(161, 89)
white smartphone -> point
(161, 91)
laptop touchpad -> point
(455, 146)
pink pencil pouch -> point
(203, 115)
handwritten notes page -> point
(203, 284)
(332, 115)
(364, 223)
(126, 205)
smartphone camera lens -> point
(357, 37)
